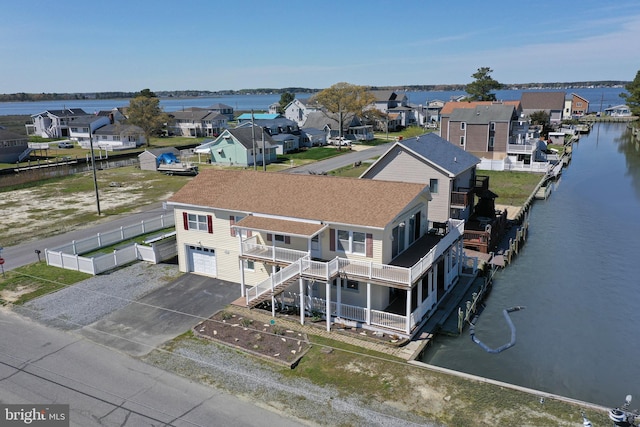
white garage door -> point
(202, 260)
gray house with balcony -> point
(448, 171)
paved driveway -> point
(163, 314)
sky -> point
(116, 45)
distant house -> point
(117, 136)
(352, 127)
(223, 109)
(391, 102)
(273, 108)
(81, 128)
(196, 122)
(447, 170)
(115, 115)
(13, 147)
(235, 147)
(248, 117)
(551, 103)
(54, 123)
(149, 158)
(298, 110)
(618, 111)
(579, 105)
(312, 137)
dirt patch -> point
(9, 296)
(266, 340)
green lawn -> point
(512, 188)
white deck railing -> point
(250, 247)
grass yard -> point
(512, 188)
(31, 281)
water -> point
(607, 96)
(578, 277)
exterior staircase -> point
(265, 296)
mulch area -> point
(267, 340)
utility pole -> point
(264, 154)
(253, 139)
(93, 164)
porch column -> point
(242, 287)
(368, 315)
(408, 312)
(460, 256)
(339, 297)
(435, 279)
(301, 285)
(419, 286)
(430, 285)
(328, 308)
(273, 298)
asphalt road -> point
(104, 387)
(342, 161)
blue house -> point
(235, 147)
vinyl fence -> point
(162, 248)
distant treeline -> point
(12, 97)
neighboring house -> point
(312, 137)
(54, 123)
(481, 128)
(249, 117)
(618, 111)
(285, 133)
(355, 251)
(81, 128)
(223, 109)
(447, 170)
(149, 158)
(196, 122)
(115, 115)
(298, 110)
(390, 102)
(433, 110)
(235, 147)
(551, 103)
(273, 108)
(352, 127)
(13, 147)
(579, 106)
(117, 136)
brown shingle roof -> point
(542, 100)
(324, 198)
(450, 106)
(272, 225)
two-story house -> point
(13, 147)
(81, 128)
(285, 134)
(117, 136)
(357, 251)
(298, 110)
(551, 103)
(447, 170)
(575, 106)
(244, 146)
(53, 123)
(223, 109)
(196, 122)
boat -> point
(623, 417)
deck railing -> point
(389, 320)
(463, 197)
(251, 248)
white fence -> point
(68, 256)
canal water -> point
(578, 276)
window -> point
(353, 285)
(492, 126)
(462, 140)
(279, 238)
(491, 140)
(433, 186)
(579, 104)
(463, 125)
(352, 242)
(198, 222)
(249, 265)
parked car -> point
(339, 140)
(65, 145)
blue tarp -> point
(167, 159)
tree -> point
(632, 99)
(285, 99)
(480, 89)
(344, 100)
(541, 118)
(145, 111)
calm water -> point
(578, 277)
(607, 96)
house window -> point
(491, 140)
(249, 265)
(579, 104)
(198, 222)
(433, 186)
(353, 285)
(463, 125)
(279, 238)
(462, 140)
(352, 242)
(492, 126)
(74, 129)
